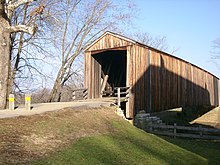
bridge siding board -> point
(158, 81)
(179, 83)
(128, 74)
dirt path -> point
(46, 107)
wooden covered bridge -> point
(157, 80)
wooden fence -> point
(197, 132)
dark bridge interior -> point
(113, 64)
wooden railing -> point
(122, 94)
(197, 132)
(80, 94)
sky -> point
(190, 26)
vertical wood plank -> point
(159, 81)
(129, 109)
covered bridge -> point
(157, 80)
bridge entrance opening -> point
(112, 64)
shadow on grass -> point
(128, 146)
(209, 150)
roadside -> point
(54, 106)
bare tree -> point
(158, 42)
(216, 52)
(81, 22)
(28, 51)
(7, 8)
(31, 56)
(216, 48)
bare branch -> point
(22, 28)
(15, 4)
(158, 42)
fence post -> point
(151, 126)
(200, 130)
(119, 93)
(174, 130)
(28, 101)
(11, 102)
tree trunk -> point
(4, 56)
(54, 94)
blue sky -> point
(189, 25)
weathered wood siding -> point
(108, 42)
(92, 68)
(92, 73)
(158, 81)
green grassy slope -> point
(94, 136)
(128, 145)
(207, 149)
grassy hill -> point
(94, 136)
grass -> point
(130, 145)
(94, 136)
(206, 149)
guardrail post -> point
(119, 100)
(28, 101)
(74, 95)
(11, 102)
(127, 93)
(85, 94)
